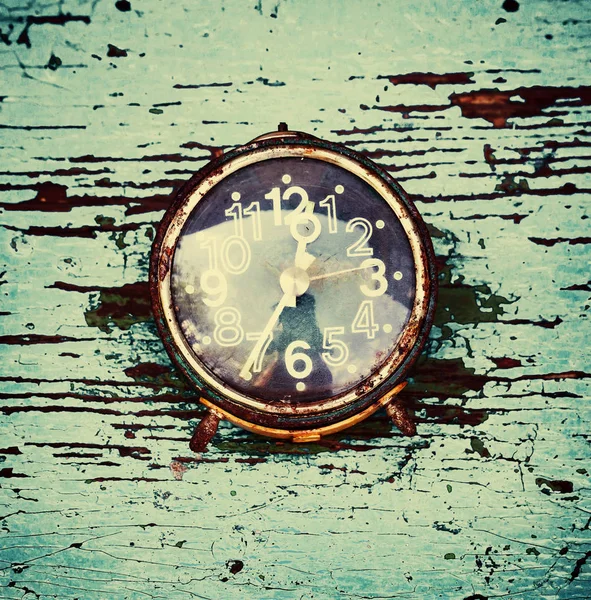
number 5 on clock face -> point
(337, 352)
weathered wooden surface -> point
(481, 110)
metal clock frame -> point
(310, 420)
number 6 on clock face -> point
(293, 359)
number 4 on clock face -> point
(364, 321)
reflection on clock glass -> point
(292, 280)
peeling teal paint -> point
(481, 110)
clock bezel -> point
(286, 414)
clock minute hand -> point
(287, 299)
(294, 282)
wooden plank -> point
(481, 111)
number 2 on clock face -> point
(360, 247)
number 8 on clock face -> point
(293, 276)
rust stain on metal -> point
(205, 431)
(164, 264)
(401, 417)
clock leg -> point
(401, 418)
(205, 431)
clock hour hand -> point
(304, 229)
(303, 259)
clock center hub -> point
(294, 281)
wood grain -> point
(481, 111)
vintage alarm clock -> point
(293, 282)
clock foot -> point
(401, 418)
(205, 431)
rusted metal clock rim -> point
(299, 435)
(386, 375)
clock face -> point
(292, 281)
